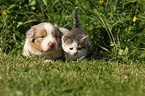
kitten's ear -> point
(66, 39)
(30, 33)
(84, 38)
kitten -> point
(75, 43)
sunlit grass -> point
(27, 76)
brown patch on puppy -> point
(39, 37)
(39, 34)
(56, 34)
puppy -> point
(43, 40)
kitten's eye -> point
(79, 48)
(42, 36)
(83, 47)
(71, 48)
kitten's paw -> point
(48, 61)
(81, 58)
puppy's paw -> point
(48, 61)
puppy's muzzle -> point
(51, 45)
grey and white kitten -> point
(75, 43)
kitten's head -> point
(74, 47)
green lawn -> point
(20, 76)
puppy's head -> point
(44, 37)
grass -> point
(116, 67)
(20, 76)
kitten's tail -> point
(76, 19)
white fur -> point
(28, 49)
(49, 38)
(70, 54)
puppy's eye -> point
(56, 36)
(71, 48)
(42, 36)
(33, 40)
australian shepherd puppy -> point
(43, 40)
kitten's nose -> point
(75, 53)
(51, 45)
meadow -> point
(115, 66)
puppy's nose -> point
(51, 45)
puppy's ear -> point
(30, 34)
(61, 29)
(64, 30)
(57, 29)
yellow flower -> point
(128, 40)
(33, 94)
(101, 1)
(134, 18)
(4, 13)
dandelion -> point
(101, 1)
(128, 40)
(134, 18)
(4, 13)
